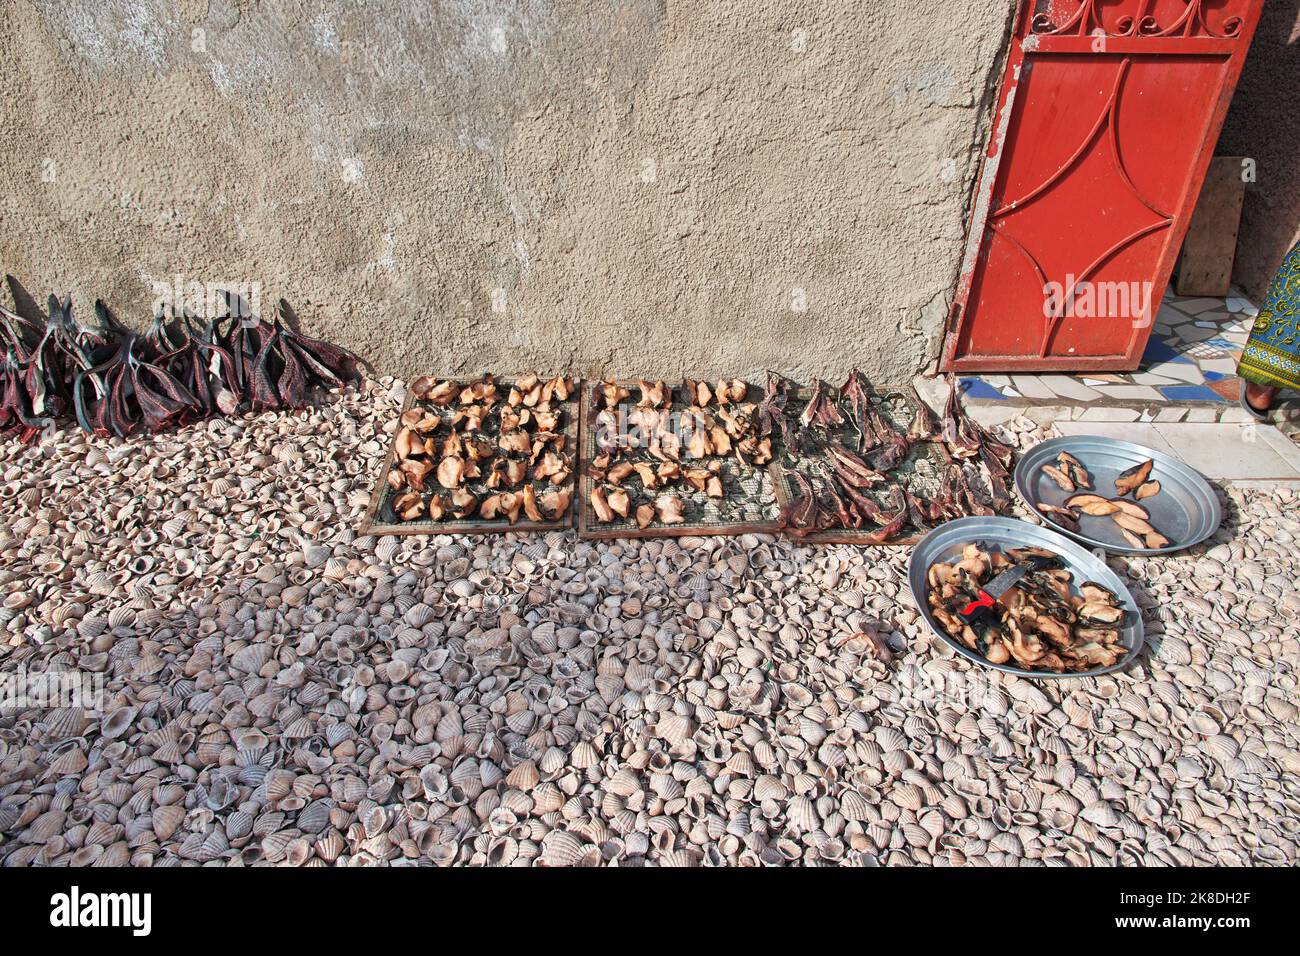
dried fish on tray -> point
(1116, 495)
(1046, 621)
(673, 460)
(1023, 599)
(479, 456)
(864, 465)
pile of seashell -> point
(277, 690)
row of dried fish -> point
(1042, 622)
(489, 456)
(832, 494)
(114, 381)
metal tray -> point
(948, 539)
(1186, 511)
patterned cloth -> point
(1272, 354)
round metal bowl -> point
(1186, 511)
(947, 540)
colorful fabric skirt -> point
(1272, 354)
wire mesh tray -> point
(923, 468)
(380, 519)
(748, 506)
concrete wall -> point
(610, 188)
(1264, 123)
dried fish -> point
(1074, 469)
(1041, 623)
(653, 394)
(610, 394)
(1133, 478)
(850, 468)
(1061, 516)
(1091, 504)
(821, 410)
(730, 392)
(668, 509)
(600, 505)
(1130, 523)
(855, 393)
(619, 502)
(1131, 508)
(1063, 481)
(924, 427)
(1147, 489)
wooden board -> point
(1205, 265)
(379, 518)
(752, 485)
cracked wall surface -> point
(607, 188)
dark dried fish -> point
(855, 393)
(893, 525)
(821, 410)
(922, 512)
(771, 412)
(1133, 478)
(954, 435)
(924, 427)
(894, 445)
(863, 506)
(852, 469)
(800, 514)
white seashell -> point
(561, 848)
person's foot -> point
(1260, 396)
(1257, 399)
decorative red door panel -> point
(1106, 123)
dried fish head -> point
(600, 505)
(408, 506)
(619, 502)
(555, 501)
(451, 472)
(463, 502)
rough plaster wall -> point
(1264, 123)
(647, 187)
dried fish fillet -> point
(1063, 481)
(1133, 478)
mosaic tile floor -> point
(1188, 373)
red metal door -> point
(1106, 123)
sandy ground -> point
(264, 685)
